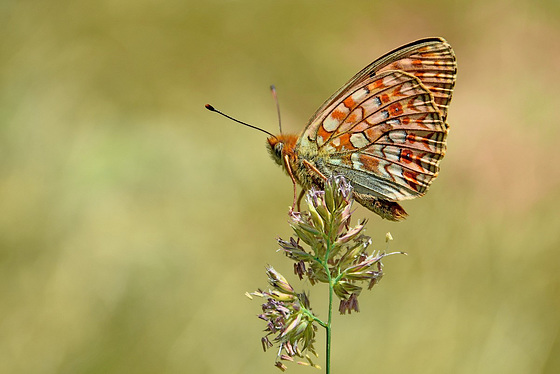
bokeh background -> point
(133, 220)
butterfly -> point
(385, 130)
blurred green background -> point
(133, 220)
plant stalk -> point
(329, 321)
(328, 327)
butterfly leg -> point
(289, 169)
(314, 169)
(301, 194)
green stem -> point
(328, 326)
(318, 320)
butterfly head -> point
(280, 146)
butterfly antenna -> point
(212, 109)
(275, 96)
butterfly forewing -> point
(434, 64)
(433, 50)
(385, 130)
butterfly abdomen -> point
(385, 209)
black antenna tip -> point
(210, 107)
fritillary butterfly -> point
(385, 130)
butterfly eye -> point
(278, 150)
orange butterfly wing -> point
(385, 130)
